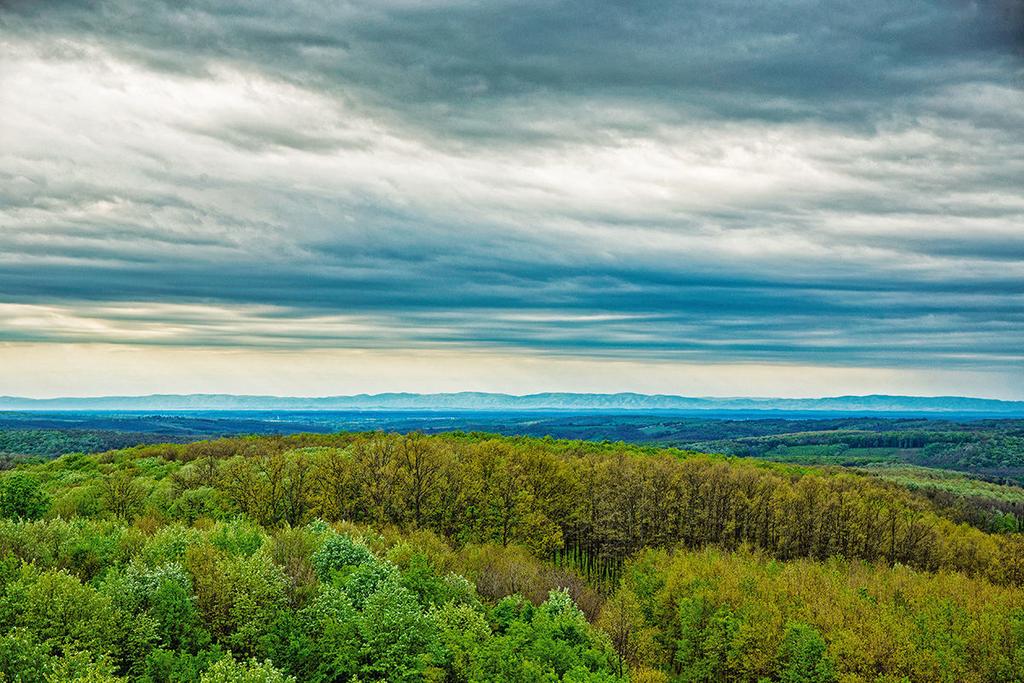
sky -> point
(711, 197)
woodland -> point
(475, 557)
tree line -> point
(566, 499)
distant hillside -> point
(545, 401)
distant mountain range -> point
(507, 402)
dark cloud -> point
(468, 68)
(789, 182)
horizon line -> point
(503, 394)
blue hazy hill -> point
(506, 402)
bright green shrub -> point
(228, 670)
(339, 551)
(362, 581)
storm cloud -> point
(792, 182)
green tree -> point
(802, 656)
(122, 494)
(62, 613)
(21, 497)
(397, 637)
(332, 624)
(80, 667)
(239, 597)
(462, 632)
(622, 619)
(363, 581)
(22, 657)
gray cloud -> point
(800, 182)
(461, 60)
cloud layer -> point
(831, 184)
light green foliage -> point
(332, 624)
(421, 578)
(170, 544)
(79, 667)
(22, 657)
(623, 620)
(549, 642)
(24, 660)
(238, 537)
(122, 494)
(318, 527)
(366, 579)
(239, 597)
(178, 666)
(737, 616)
(60, 611)
(470, 558)
(199, 502)
(77, 501)
(338, 552)
(142, 583)
(462, 631)
(164, 594)
(430, 588)
(228, 670)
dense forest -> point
(992, 449)
(54, 442)
(471, 557)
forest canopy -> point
(470, 557)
